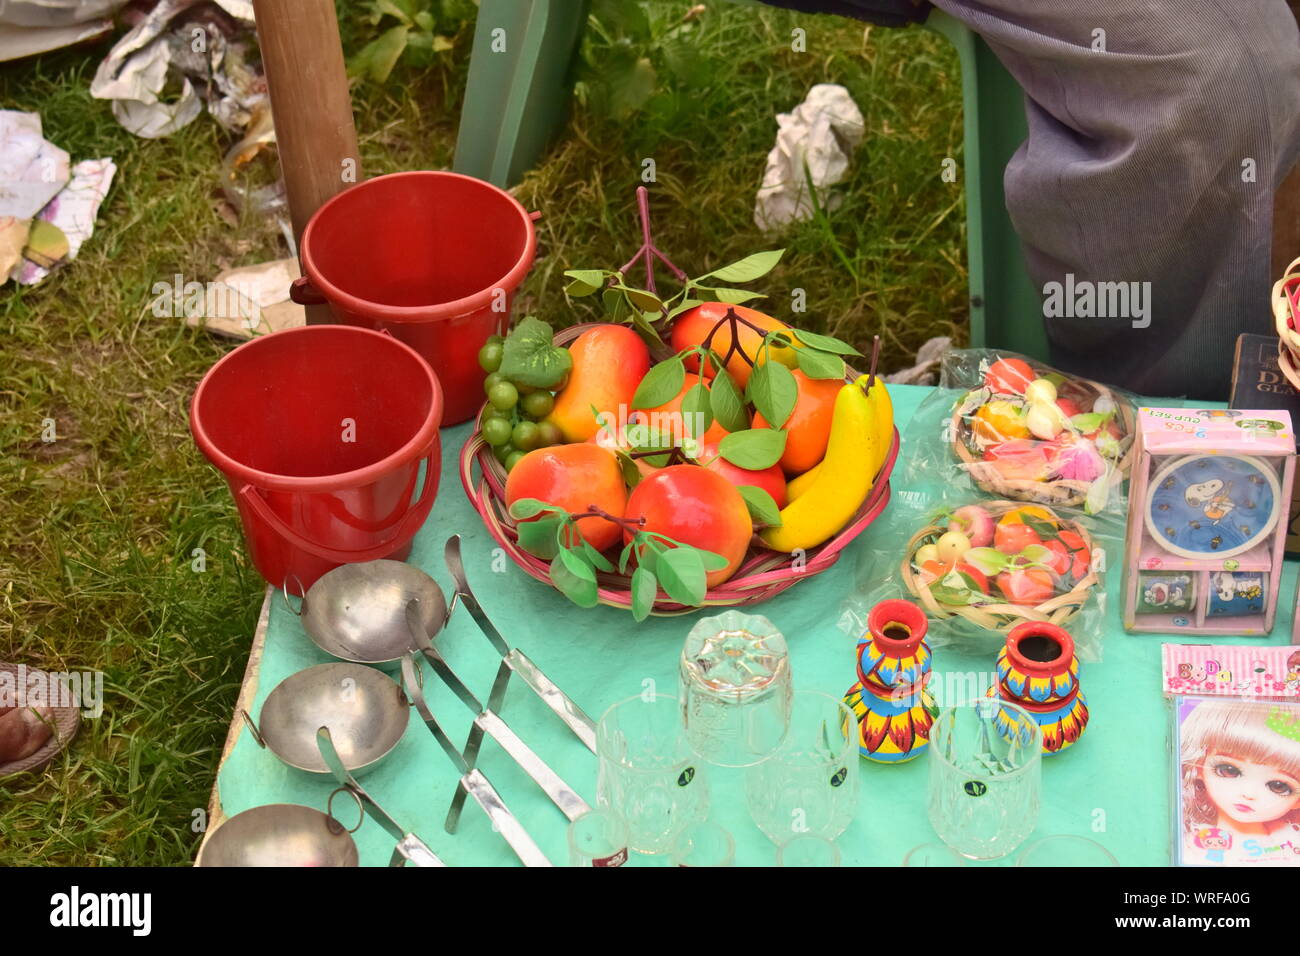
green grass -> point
(99, 526)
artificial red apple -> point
(1030, 586)
(975, 523)
(1014, 537)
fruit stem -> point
(875, 357)
(594, 511)
(649, 251)
(732, 319)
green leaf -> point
(643, 322)
(530, 358)
(762, 507)
(826, 344)
(540, 537)
(585, 281)
(753, 448)
(631, 473)
(773, 391)
(684, 306)
(735, 296)
(661, 384)
(988, 561)
(749, 268)
(575, 579)
(817, 364)
(726, 404)
(625, 556)
(696, 411)
(1044, 529)
(681, 575)
(1089, 421)
(629, 83)
(598, 560)
(1036, 554)
(615, 304)
(378, 57)
(424, 20)
(644, 590)
(528, 507)
(641, 299)
(393, 10)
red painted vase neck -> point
(897, 627)
(1040, 649)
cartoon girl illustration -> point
(1293, 671)
(1241, 774)
(1213, 497)
(1214, 842)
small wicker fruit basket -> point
(1286, 314)
(1060, 492)
(1070, 591)
(763, 574)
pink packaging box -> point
(1208, 502)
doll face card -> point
(1237, 782)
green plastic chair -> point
(518, 94)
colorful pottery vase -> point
(1038, 670)
(893, 708)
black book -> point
(1258, 382)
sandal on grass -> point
(20, 727)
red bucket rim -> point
(418, 313)
(416, 447)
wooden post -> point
(308, 84)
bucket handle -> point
(303, 292)
(260, 508)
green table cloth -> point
(1113, 786)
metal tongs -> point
(513, 661)
(472, 780)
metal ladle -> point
(279, 834)
(409, 847)
(368, 712)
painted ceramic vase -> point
(893, 708)
(1038, 670)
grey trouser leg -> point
(1154, 161)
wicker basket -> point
(1001, 616)
(1286, 314)
(1061, 493)
(762, 574)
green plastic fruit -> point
(526, 436)
(538, 405)
(496, 431)
(503, 395)
(514, 458)
(503, 452)
(493, 379)
(489, 356)
(550, 434)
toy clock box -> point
(1207, 519)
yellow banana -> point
(843, 477)
(884, 428)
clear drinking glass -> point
(933, 854)
(1065, 850)
(985, 773)
(598, 838)
(648, 773)
(808, 850)
(810, 785)
(704, 844)
(735, 688)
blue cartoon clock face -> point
(1212, 506)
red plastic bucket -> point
(321, 432)
(432, 257)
